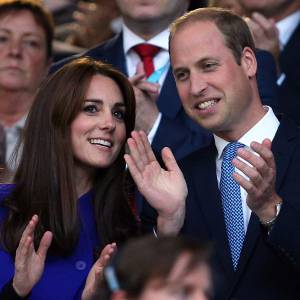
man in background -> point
(159, 110)
(275, 25)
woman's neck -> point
(84, 179)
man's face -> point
(23, 52)
(180, 285)
(215, 90)
(152, 10)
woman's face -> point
(98, 132)
(23, 52)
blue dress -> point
(63, 277)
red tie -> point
(146, 52)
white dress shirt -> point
(265, 128)
(130, 39)
(12, 135)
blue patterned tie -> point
(232, 203)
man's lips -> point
(203, 105)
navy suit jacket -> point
(289, 91)
(269, 266)
(176, 129)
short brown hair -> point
(235, 30)
(40, 14)
(148, 258)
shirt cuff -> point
(154, 128)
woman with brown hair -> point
(68, 196)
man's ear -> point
(248, 62)
(119, 295)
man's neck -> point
(145, 31)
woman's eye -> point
(120, 115)
(32, 44)
(90, 108)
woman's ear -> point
(248, 62)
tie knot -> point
(231, 149)
(146, 50)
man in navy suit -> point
(275, 25)
(214, 65)
(159, 110)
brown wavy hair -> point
(44, 181)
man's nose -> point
(198, 85)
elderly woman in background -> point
(26, 32)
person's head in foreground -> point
(158, 269)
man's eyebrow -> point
(178, 69)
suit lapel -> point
(113, 53)
(291, 49)
(284, 144)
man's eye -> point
(209, 66)
(120, 115)
(180, 76)
(3, 39)
(90, 108)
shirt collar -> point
(265, 128)
(130, 39)
(287, 26)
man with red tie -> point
(141, 52)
